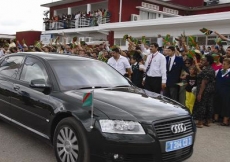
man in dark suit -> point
(174, 65)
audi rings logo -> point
(178, 128)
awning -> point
(204, 19)
(59, 2)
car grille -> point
(163, 129)
(176, 155)
(134, 158)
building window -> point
(165, 16)
(120, 42)
(154, 40)
(201, 40)
(211, 40)
(144, 15)
(152, 15)
(224, 43)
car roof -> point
(52, 56)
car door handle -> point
(16, 88)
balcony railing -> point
(81, 23)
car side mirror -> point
(41, 85)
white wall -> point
(220, 1)
(224, 1)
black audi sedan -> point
(43, 93)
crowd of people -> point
(77, 20)
(195, 76)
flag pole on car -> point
(88, 102)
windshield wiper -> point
(93, 87)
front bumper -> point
(136, 148)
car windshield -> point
(78, 74)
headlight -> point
(121, 127)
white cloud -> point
(21, 15)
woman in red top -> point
(216, 65)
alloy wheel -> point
(67, 145)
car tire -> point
(70, 143)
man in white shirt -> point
(77, 17)
(120, 63)
(155, 65)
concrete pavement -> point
(212, 145)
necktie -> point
(148, 67)
(169, 63)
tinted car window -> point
(74, 74)
(10, 65)
(33, 69)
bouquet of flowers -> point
(174, 43)
(143, 39)
(74, 39)
(216, 58)
(166, 39)
(191, 53)
(218, 41)
(74, 42)
(191, 41)
(83, 43)
(126, 36)
(114, 46)
(38, 44)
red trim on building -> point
(76, 4)
(29, 36)
(110, 38)
(113, 8)
(129, 8)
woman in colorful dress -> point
(222, 97)
(203, 108)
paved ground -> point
(212, 145)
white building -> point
(144, 18)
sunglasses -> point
(187, 63)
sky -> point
(21, 15)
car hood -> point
(131, 103)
